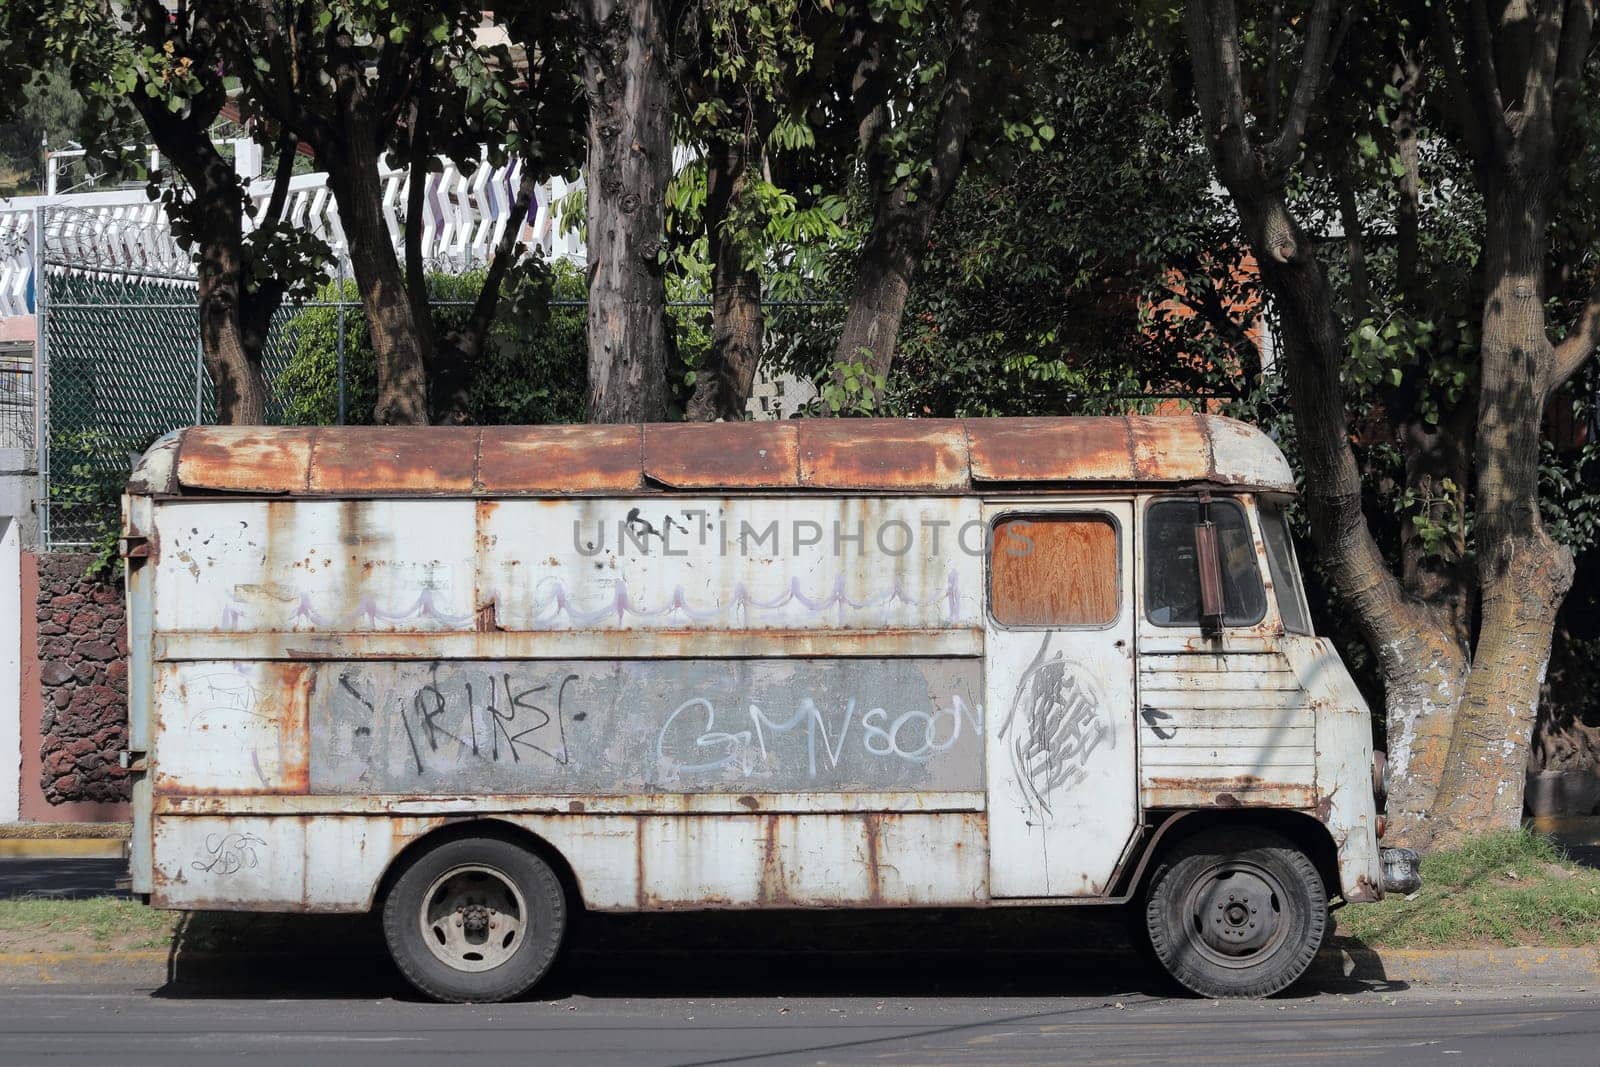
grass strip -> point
(1509, 888)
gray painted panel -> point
(647, 726)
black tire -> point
(1236, 913)
(476, 919)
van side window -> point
(1054, 571)
(1285, 575)
(1172, 575)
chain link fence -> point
(122, 365)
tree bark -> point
(1460, 732)
(418, 156)
(352, 165)
(630, 163)
(230, 347)
(1423, 667)
(904, 212)
(722, 391)
(1523, 574)
(215, 214)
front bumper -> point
(1402, 870)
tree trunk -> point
(1423, 666)
(722, 391)
(881, 287)
(392, 320)
(905, 211)
(630, 163)
(1523, 574)
(230, 351)
(417, 158)
(234, 364)
(462, 350)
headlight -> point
(1380, 774)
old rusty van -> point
(479, 678)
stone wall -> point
(83, 679)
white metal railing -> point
(465, 215)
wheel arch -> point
(491, 827)
(1171, 829)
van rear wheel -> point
(476, 919)
(1236, 913)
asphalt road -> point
(65, 878)
(122, 1025)
(810, 989)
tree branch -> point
(1307, 87)
(1214, 52)
(1577, 35)
(1408, 229)
(1276, 46)
(1579, 345)
(281, 178)
(955, 106)
(1483, 82)
(1354, 242)
(1455, 102)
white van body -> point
(761, 665)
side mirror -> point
(1208, 557)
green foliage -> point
(1509, 888)
(96, 465)
(48, 110)
(534, 366)
(1085, 266)
(849, 389)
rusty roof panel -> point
(723, 455)
(1170, 448)
(249, 459)
(560, 459)
(1051, 450)
(884, 455)
(418, 460)
(891, 454)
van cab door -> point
(1059, 694)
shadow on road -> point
(62, 878)
(901, 953)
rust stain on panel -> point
(560, 459)
(869, 822)
(723, 455)
(246, 459)
(892, 454)
(1170, 448)
(1050, 450)
(424, 460)
(1244, 791)
(1365, 892)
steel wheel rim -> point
(1235, 913)
(473, 917)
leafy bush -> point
(533, 369)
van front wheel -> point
(477, 919)
(1236, 914)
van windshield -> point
(1285, 575)
(1172, 574)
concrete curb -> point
(1476, 967)
(1490, 969)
